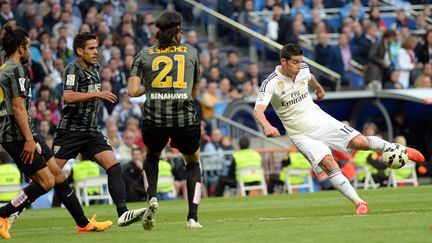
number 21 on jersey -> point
(163, 80)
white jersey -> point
(292, 102)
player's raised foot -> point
(94, 226)
(4, 228)
(12, 218)
(130, 217)
(192, 224)
(150, 214)
(415, 155)
(362, 208)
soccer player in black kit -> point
(17, 136)
(78, 130)
(169, 72)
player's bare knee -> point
(328, 164)
(47, 181)
(360, 142)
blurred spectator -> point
(339, 59)
(423, 82)
(379, 65)
(178, 171)
(232, 65)
(375, 17)
(125, 109)
(223, 93)
(424, 51)
(65, 21)
(354, 10)
(214, 75)
(284, 25)
(6, 12)
(52, 17)
(192, 40)
(249, 91)
(322, 49)
(253, 74)
(148, 29)
(406, 61)
(401, 20)
(47, 62)
(126, 147)
(209, 100)
(364, 44)
(245, 157)
(393, 83)
(132, 174)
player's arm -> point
(319, 90)
(135, 88)
(71, 96)
(21, 118)
(197, 75)
(269, 130)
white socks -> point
(377, 144)
(341, 183)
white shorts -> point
(331, 134)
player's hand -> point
(320, 94)
(28, 152)
(271, 132)
(107, 95)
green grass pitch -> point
(396, 215)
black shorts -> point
(67, 145)
(185, 139)
(39, 162)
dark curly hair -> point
(168, 23)
(12, 39)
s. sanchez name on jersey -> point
(291, 100)
(169, 75)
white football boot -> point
(150, 214)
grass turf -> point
(396, 215)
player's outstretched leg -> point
(150, 214)
(378, 144)
(415, 155)
(94, 226)
(4, 228)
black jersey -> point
(14, 82)
(169, 75)
(81, 116)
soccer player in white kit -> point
(310, 129)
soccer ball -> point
(395, 156)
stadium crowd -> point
(392, 57)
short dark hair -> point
(244, 143)
(81, 39)
(290, 50)
(12, 39)
(168, 24)
(389, 33)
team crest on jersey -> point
(280, 85)
(70, 79)
(56, 148)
